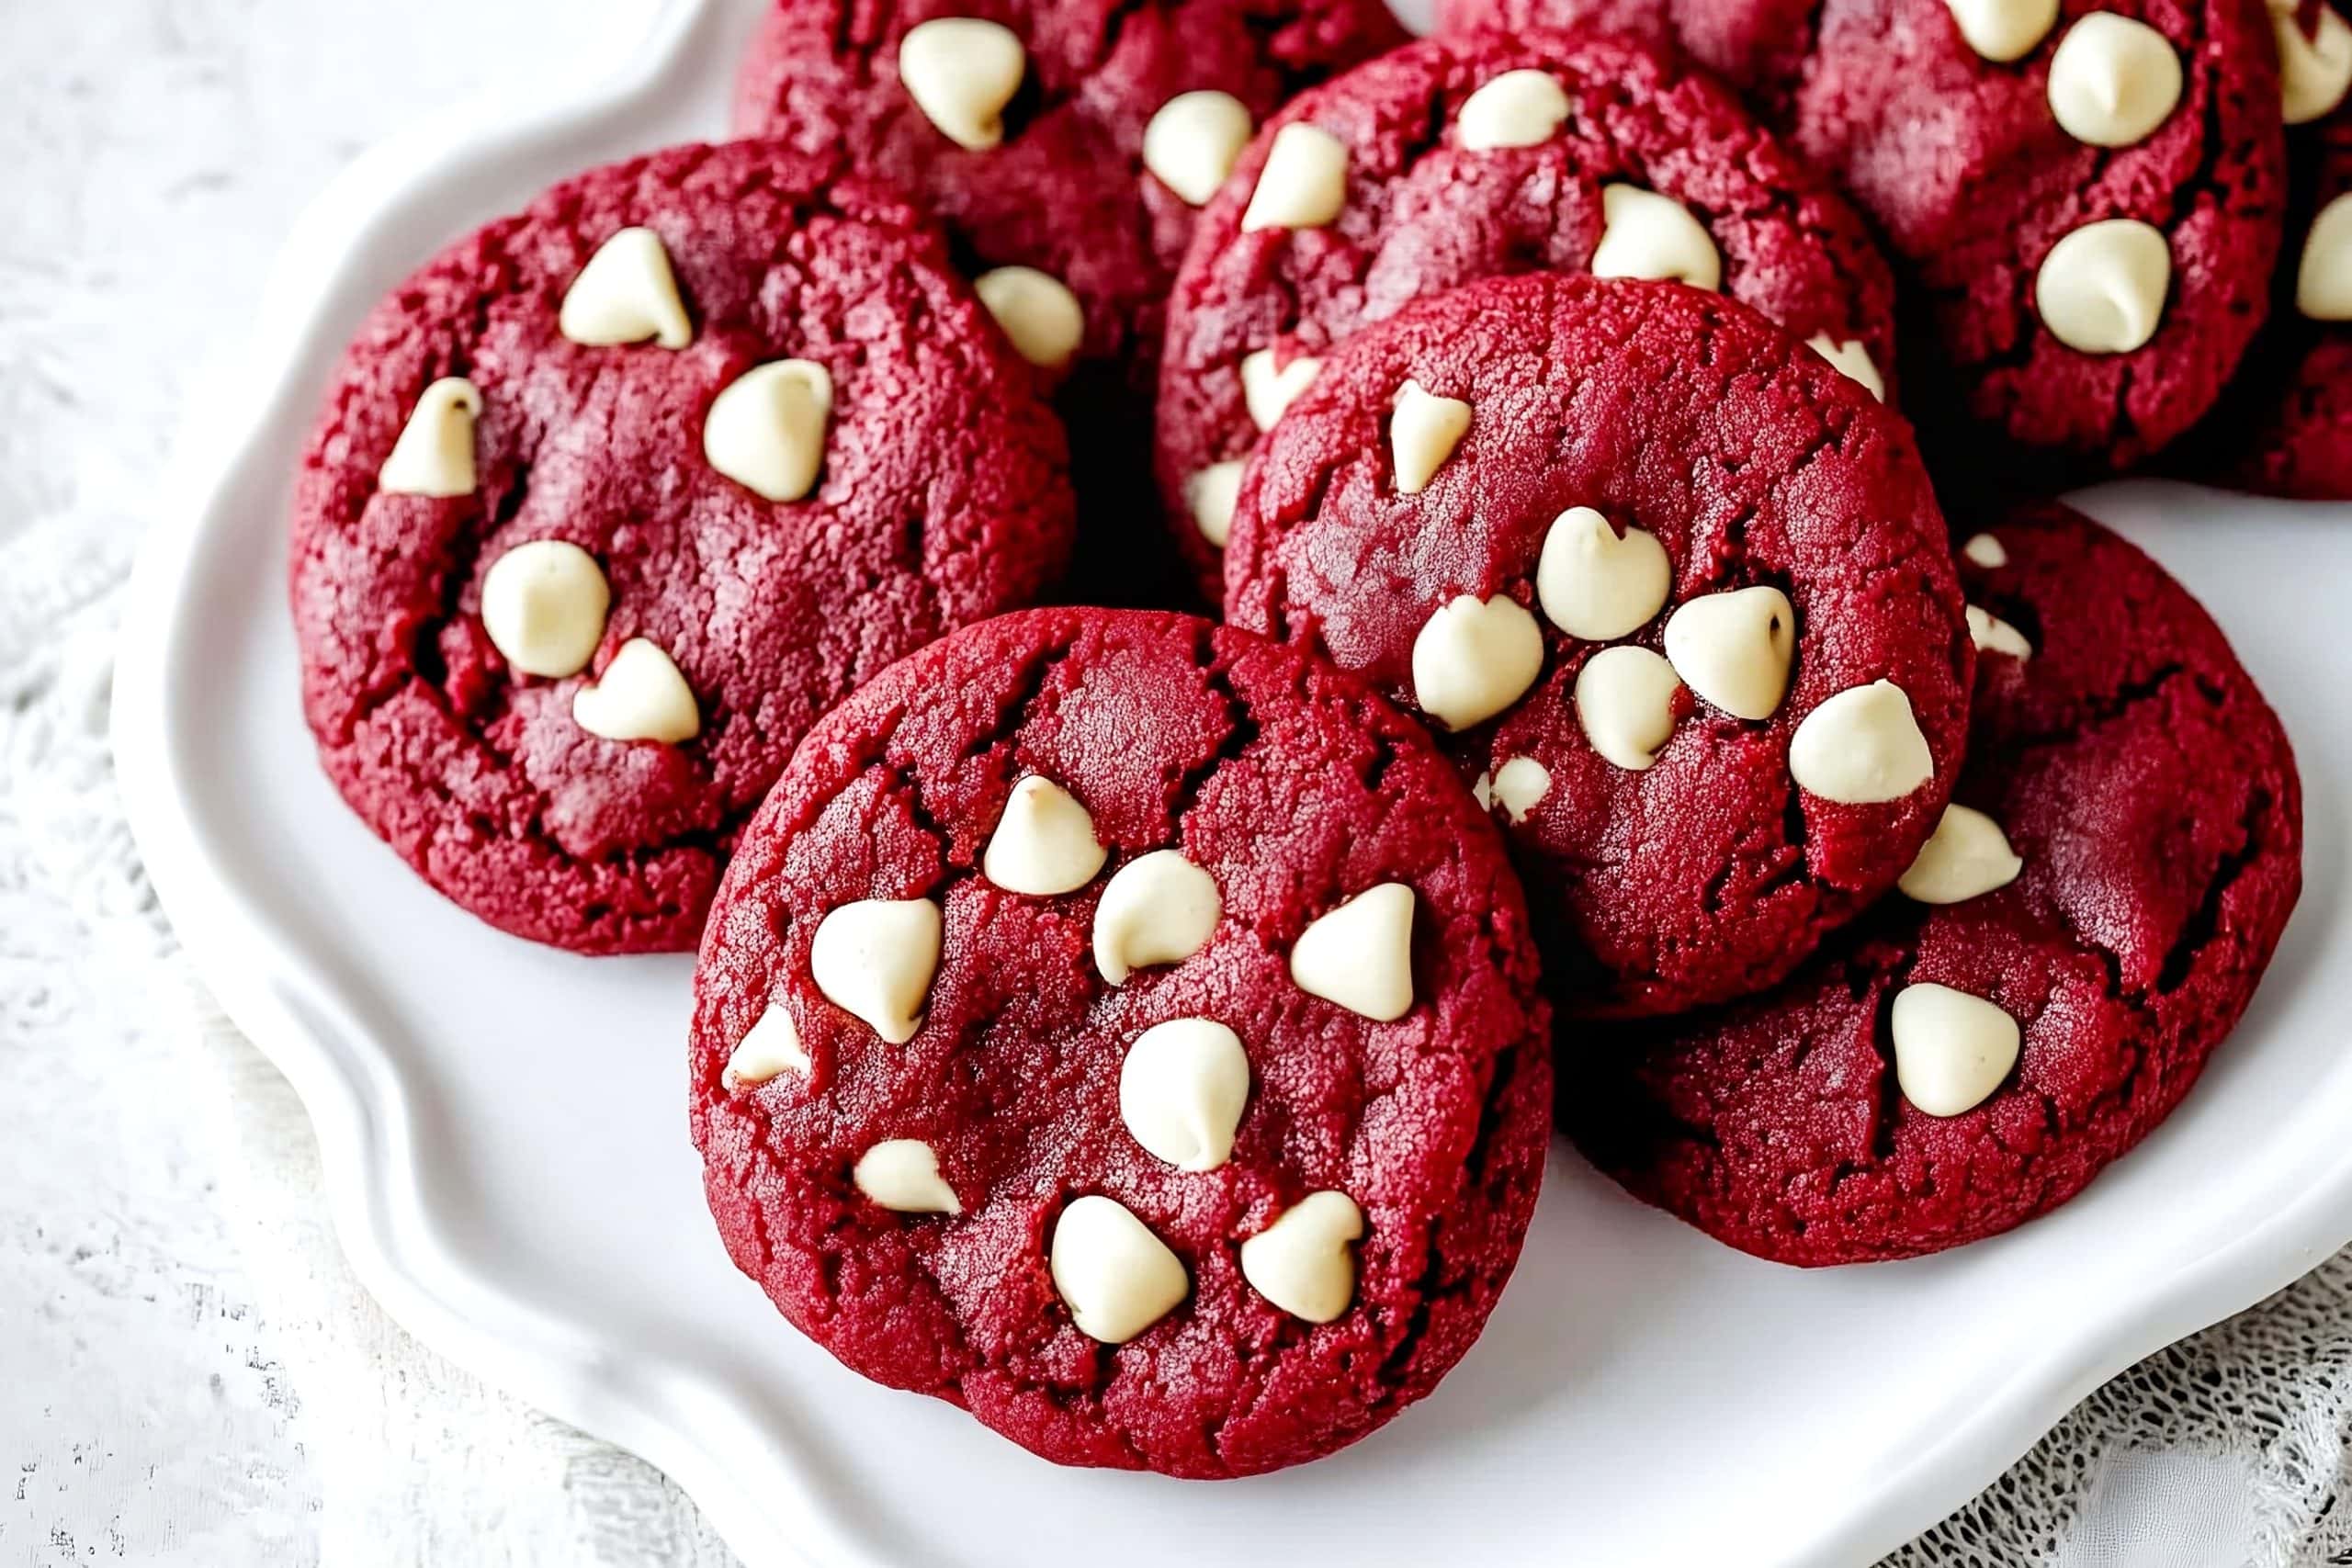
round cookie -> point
(1127, 1028)
(2086, 197)
(608, 502)
(1665, 578)
(2123, 849)
(2285, 426)
(1453, 159)
(1072, 137)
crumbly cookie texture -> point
(1677, 568)
(1993, 142)
(2084, 929)
(1463, 159)
(1204, 1149)
(612, 499)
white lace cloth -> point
(188, 1374)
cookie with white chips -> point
(609, 501)
(1127, 1028)
(1451, 160)
(1670, 585)
(2084, 929)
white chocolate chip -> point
(1192, 142)
(1211, 494)
(1519, 784)
(641, 696)
(543, 605)
(1648, 235)
(1596, 585)
(1474, 659)
(2315, 72)
(1624, 699)
(1157, 908)
(2101, 288)
(1036, 310)
(1734, 649)
(626, 294)
(1861, 747)
(1182, 1089)
(1044, 843)
(1267, 390)
(902, 1175)
(961, 71)
(1852, 356)
(2113, 80)
(769, 1049)
(1361, 954)
(1951, 1050)
(435, 453)
(2324, 280)
(1303, 1262)
(1993, 634)
(2003, 30)
(766, 429)
(875, 959)
(1967, 855)
(1422, 433)
(1117, 1278)
(1518, 109)
(1304, 183)
(1985, 551)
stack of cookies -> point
(1145, 1029)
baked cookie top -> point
(2085, 927)
(1127, 1028)
(1451, 160)
(1674, 588)
(610, 499)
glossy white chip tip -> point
(1861, 747)
(1596, 585)
(1037, 311)
(1304, 1262)
(626, 294)
(1423, 431)
(2101, 288)
(1157, 908)
(641, 695)
(1117, 1278)
(543, 607)
(1951, 1050)
(1624, 699)
(1473, 659)
(1993, 634)
(766, 429)
(1966, 857)
(1645, 234)
(1267, 390)
(1361, 954)
(1518, 109)
(1210, 496)
(1191, 144)
(875, 959)
(1182, 1085)
(961, 71)
(1852, 356)
(1304, 181)
(1045, 842)
(434, 454)
(902, 1175)
(1734, 649)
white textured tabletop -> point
(189, 1374)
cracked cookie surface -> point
(2152, 804)
(1423, 211)
(1293, 789)
(2285, 427)
(1706, 873)
(1973, 182)
(481, 778)
(1066, 190)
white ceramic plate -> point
(505, 1143)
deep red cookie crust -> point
(1294, 787)
(1753, 461)
(1066, 191)
(2285, 427)
(478, 777)
(1970, 181)
(2154, 801)
(1423, 215)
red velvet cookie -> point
(2086, 926)
(1676, 588)
(609, 501)
(2085, 196)
(1074, 137)
(2285, 426)
(1127, 1028)
(1449, 161)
